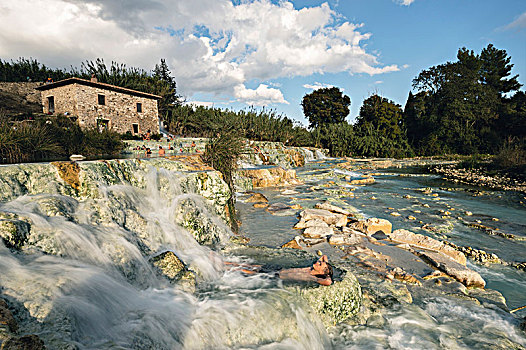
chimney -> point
(93, 78)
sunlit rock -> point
(293, 244)
(458, 271)
(257, 197)
(310, 223)
(372, 225)
(365, 181)
(318, 232)
(337, 220)
(421, 241)
(269, 177)
(331, 208)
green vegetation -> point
(470, 106)
(50, 137)
(222, 153)
(464, 106)
(263, 125)
(325, 106)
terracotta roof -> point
(98, 85)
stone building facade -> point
(101, 105)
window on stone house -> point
(135, 128)
(139, 107)
(102, 99)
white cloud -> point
(519, 23)
(405, 2)
(199, 103)
(317, 86)
(378, 82)
(212, 46)
(261, 96)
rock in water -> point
(318, 232)
(421, 241)
(26, 342)
(336, 303)
(281, 209)
(311, 223)
(458, 271)
(14, 232)
(372, 225)
(257, 197)
(337, 220)
(175, 270)
(332, 208)
(6, 318)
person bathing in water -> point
(320, 272)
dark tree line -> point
(468, 106)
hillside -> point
(19, 98)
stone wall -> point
(120, 109)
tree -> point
(460, 105)
(325, 106)
(167, 87)
(383, 115)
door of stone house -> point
(103, 124)
(51, 104)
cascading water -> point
(85, 280)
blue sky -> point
(266, 52)
(423, 34)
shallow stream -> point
(434, 319)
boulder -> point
(175, 270)
(420, 241)
(372, 225)
(343, 239)
(257, 197)
(318, 232)
(458, 271)
(331, 208)
(14, 232)
(311, 223)
(336, 303)
(337, 220)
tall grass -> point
(53, 137)
(222, 153)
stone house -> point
(100, 105)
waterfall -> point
(320, 154)
(85, 278)
(308, 154)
